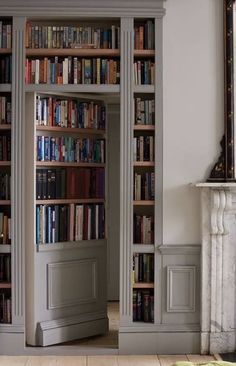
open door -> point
(66, 280)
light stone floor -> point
(156, 360)
(110, 340)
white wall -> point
(193, 110)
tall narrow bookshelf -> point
(143, 171)
(5, 170)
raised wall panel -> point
(181, 288)
(60, 277)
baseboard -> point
(12, 344)
(159, 343)
(54, 335)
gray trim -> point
(82, 8)
(179, 249)
(5, 328)
(71, 88)
(70, 245)
(18, 162)
(126, 176)
(159, 328)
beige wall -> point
(193, 110)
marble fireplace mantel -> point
(218, 267)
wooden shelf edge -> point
(144, 163)
(5, 126)
(5, 50)
(5, 285)
(5, 163)
(73, 88)
(68, 201)
(92, 131)
(80, 52)
(5, 202)
(144, 203)
(5, 248)
(70, 245)
(143, 285)
(63, 164)
(144, 53)
(144, 127)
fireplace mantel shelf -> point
(214, 185)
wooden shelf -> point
(143, 248)
(5, 285)
(79, 52)
(81, 131)
(144, 163)
(143, 285)
(5, 248)
(73, 88)
(5, 202)
(64, 164)
(143, 89)
(68, 201)
(144, 53)
(5, 88)
(5, 163)
(144, 203)
(144, 127)
(5, 126)
(5, 50)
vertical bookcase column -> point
(126, 177)
(158, 239)
(17, 185)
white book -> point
(65, 71)
(37, 62)
(81, 221)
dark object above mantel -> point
(224, 169)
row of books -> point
(144, 111)
(70, 183)
(44, 36)
(143, 229)
(144, 72)
(143, 305)
(72, 70)
(5, 186)
(69, 223)
(5, 268)
(5, 229)
(5, 69)
(144, 186)
(70, 149)
(5, 110)
(144, 36)
(5, 148)
(143, 148)
(51, 111)
(5, 307)
(143, 268)
(5, 34)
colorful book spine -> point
(143, 305)
(144, 186)
(143, 229)
(59, 223)
(5, 110)
(143, 148)
(144, 36)
(43, 36)
(144, 111)
(144, 72)
(71, 71)
(5, 307)
(69, 149)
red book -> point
(71, 186)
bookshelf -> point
(51, 265)
(5, 171)
(144, 173)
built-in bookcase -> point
(143, 171)
(69, 137)
(5, 169)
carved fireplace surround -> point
(218, 263)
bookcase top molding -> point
(83, 8)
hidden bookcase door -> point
(66, 237)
